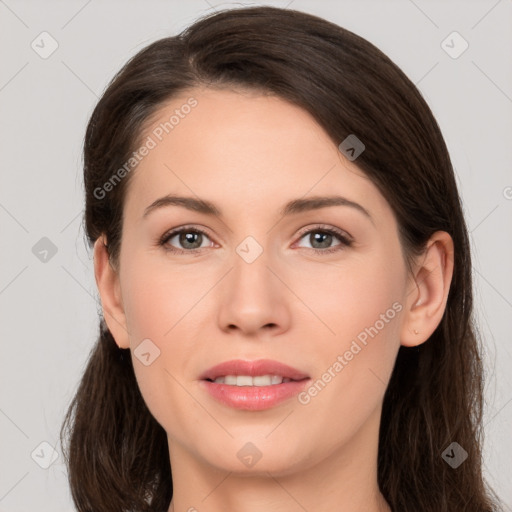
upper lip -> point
(253, 368)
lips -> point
(249, 392)
(253, 369)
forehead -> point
(243, 148)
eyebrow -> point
(291, 208)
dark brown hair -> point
(117, 453)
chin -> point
(253, 458)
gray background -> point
(49, 308)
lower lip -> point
(254, 398)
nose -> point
(253, 298)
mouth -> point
(253, 385)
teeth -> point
(247, 380)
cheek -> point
(157, 295)
(351, 295)
(353, 365)
(359, 303)
(156, 302)
(366, 301)
(162, 304)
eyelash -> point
(340, 235)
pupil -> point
(187, 238)
(326, 236)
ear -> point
(428, 293)
(107, 281)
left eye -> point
(324, 237)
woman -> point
(284, 271)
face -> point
(320, 290)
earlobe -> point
(427, 296)
(107, 281)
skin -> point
(249, 154)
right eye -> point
(185, 236)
